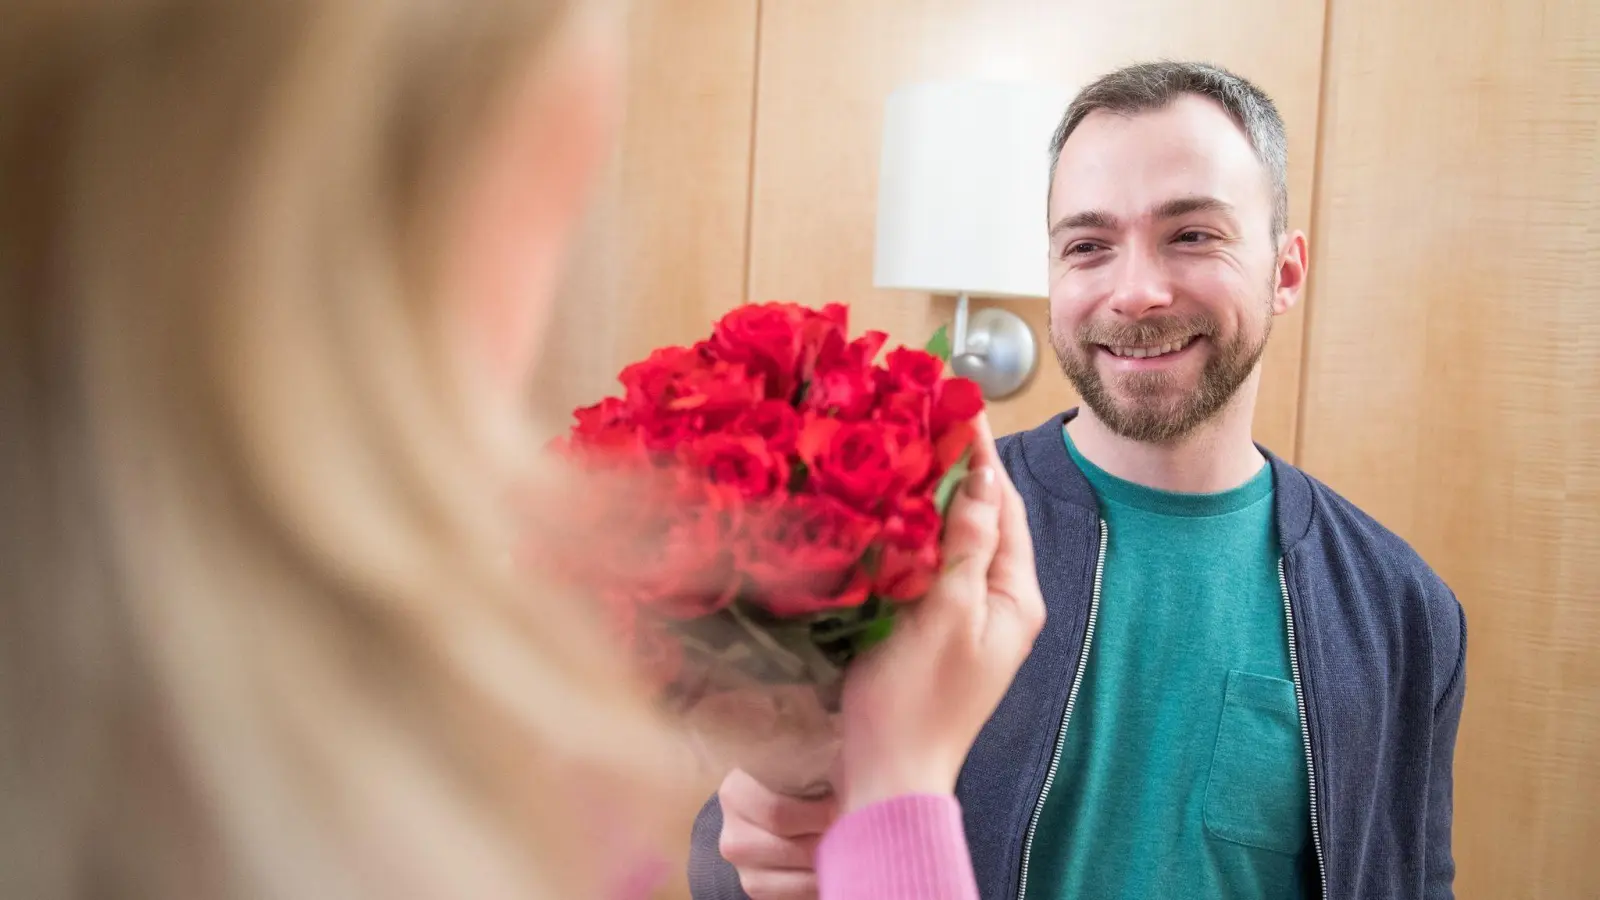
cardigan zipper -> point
(1305, 726)
(1066, 715)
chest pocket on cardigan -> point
(1257, 794)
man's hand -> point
(772, 839)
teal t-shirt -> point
(1182, 773)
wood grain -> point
(664, 252)
(1453, 383)
(827, 68)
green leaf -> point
(946, 491)
(798, 472)
(876, 632)
(833, 633)
(877, 621)
(939, 344)
(872, 561)
(837, 624)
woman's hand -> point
(913, 706)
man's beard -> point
(1149, 414)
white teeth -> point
(1147, 352)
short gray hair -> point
(1147, 87)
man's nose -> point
(1142, 285)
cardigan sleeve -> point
(906, 848)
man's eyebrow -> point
(1182, 206)
(1089, 218)
(1099, 219)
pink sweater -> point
(907, 848)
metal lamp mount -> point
(993, 347)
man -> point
(1246, 688)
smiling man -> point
(1266, 704)
(1246, 688)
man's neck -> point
(1218, 456)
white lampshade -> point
(961, 188)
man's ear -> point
(523, 198)
(1292, 271)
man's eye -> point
(1193, 237)
(1081, 248)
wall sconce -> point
(962, 182)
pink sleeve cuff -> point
(907, 848)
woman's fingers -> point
(1012, 578)
(971, 532)
(984, 452)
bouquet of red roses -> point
(795, 492)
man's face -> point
(1164, 272)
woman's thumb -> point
(971, 534)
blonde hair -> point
(258, 637)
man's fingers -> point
(772, 839)
(749, 847)
(745, 798)
(767, 884)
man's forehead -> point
(1189, 120)
(1189, 147)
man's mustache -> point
(1146, 332)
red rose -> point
(906, 409)
(953, 445)
(841, 391)
(679, 381)
(648, 380)
(774, 421)
(741, 463)
(602, 430)
(957, 401)
(767, 340)
(843, 381)
(914, 370)
(675, 553)
(821, 330)
(678, 394)
(719, 431)
(666, 434)
(610, 413)
(910, 550)
(862, 463)
(718, 392)
(832, 318)
(804, 555)
(864, 349)
(832, 347)
(913, 456)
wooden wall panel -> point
(1450, 345)
(1453, 382)
(664, 251)
(827, 68)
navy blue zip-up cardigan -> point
(1380, 643)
